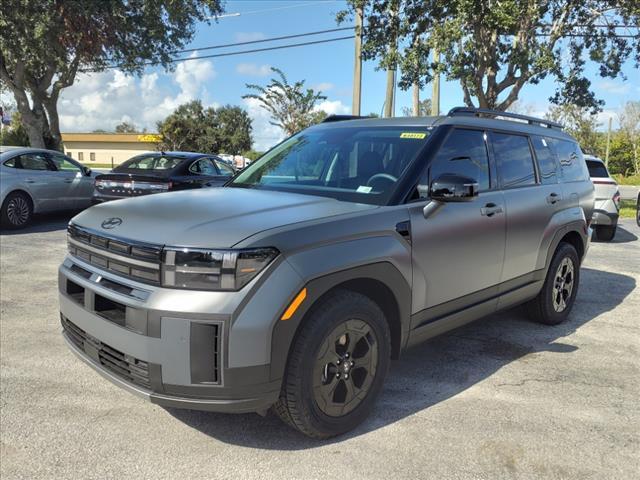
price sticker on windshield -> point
(413, 135)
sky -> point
(102, 100)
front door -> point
(78, 187)
(458, 250)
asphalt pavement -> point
(500, 398)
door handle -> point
(29, 180)
(491, 209)
(553, 198)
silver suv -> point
(294, 286)
(607, 204)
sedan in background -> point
(161, 172)
(607, 207)
(36, 181)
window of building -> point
(514, 160)
(92, 156)
(464, 152)
(81, 156)
(546, 160)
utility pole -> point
(357, 69)
(435, 94)
(606, 156)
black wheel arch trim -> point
(383, 274)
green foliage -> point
(191, 127)
(424, 109)
(45, 43)
(495, 48)
(13, 134)
(291, 106)
(126, 127)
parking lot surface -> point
(500, 398)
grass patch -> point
(628, 208)
(630, 180)
(99, 165)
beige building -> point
(109, 148)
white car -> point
(607, 207)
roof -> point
(174, 154)
(8, 152)
(112, 137)
(459, 120)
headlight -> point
(201, 269)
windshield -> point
(358, 164)
(151, 162)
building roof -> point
(112, 137)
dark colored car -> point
(161, 172)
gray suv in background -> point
(294, 286)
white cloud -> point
(249, 36)
(324, 86)
(335, 107)
(102, 100)
(253, 69)
(614, 87)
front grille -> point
(124, 366)
(140, 262)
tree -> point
(291, 106)
(191, 127)
(424, 109)
(46, 43)
(126, 127)
(14, 133)
(495, 48)
(581, 124)
(630, 128)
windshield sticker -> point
(413, 135)
(363, 189)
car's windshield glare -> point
(151, 163)
(359, 164)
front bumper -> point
(174, 358)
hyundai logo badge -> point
(112, 222)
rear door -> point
(532, 197)
(42, 180)
(78, 186)
(458, 251)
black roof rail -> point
(477, 112)
(341, 118)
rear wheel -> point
(606, 233)
(17, 211)
(555, 301)
(337, 367)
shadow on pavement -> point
(435, 371)
(44, 223)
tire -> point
(17, 211)
(606, 233)
(555, 301)
(638, 210)
(336, 367)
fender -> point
(383, 273)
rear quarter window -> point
(572, 164)
(597, 169)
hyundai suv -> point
(607, 200)
(293, 287)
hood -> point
(209, 217)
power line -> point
(262, 40)
(229, 54)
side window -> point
(571, 160)
(13, 163)
(546, 160)
(225, 170)
(63, 164)
(203, 167)
(464, 152)
(34, 161)
(514, 159)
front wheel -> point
(337, 366)
(555, 301)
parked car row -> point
(38, 181)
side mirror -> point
(87, 171)
(450, 187)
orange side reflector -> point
(294, 305)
